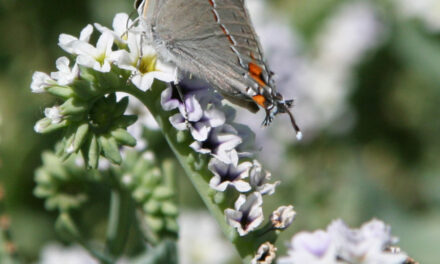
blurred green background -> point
(385, 164)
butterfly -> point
(214, 40)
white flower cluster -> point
(131, 54)
(214, 132)
(371, 244)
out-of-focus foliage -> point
(383, 164)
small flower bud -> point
(265, 255)
(283, 217)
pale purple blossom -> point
(310, 248)
(365, 245)
(339, 244)
(248, 213)
(221, 144)
(199, 121)
(259, 178)
(229, 175)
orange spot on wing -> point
(260, 100)
(256, 71)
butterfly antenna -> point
(294, 124)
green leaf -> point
(110, 149)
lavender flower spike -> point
(248, 213)
(226, 175)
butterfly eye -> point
(137, 3)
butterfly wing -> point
(213, 40)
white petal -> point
(86, 33)
(40, 81)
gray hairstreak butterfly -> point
(215, 41)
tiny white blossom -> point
(65, 75)
(40, 81)
(142, 61)
(248, 213)
(67, 42)
(97, 57)
(54, 114)
(121, 25)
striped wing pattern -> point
(213, 40)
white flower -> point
(226, 175)
(65, 75)
(142, 61)
(40, 81)
(97, 57)
(54, 114)
(67, 42)
(248, 213)
(121, 25)
(55, 253)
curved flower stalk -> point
(215, 152)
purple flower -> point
(248, 213)
(226, 175)
(365, 245)
(311, 248)
(221, 144)
(171, 99)
(198, 121)
(259, 179)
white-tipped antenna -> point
(298, 132)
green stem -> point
(195, 166)
(120, 219)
